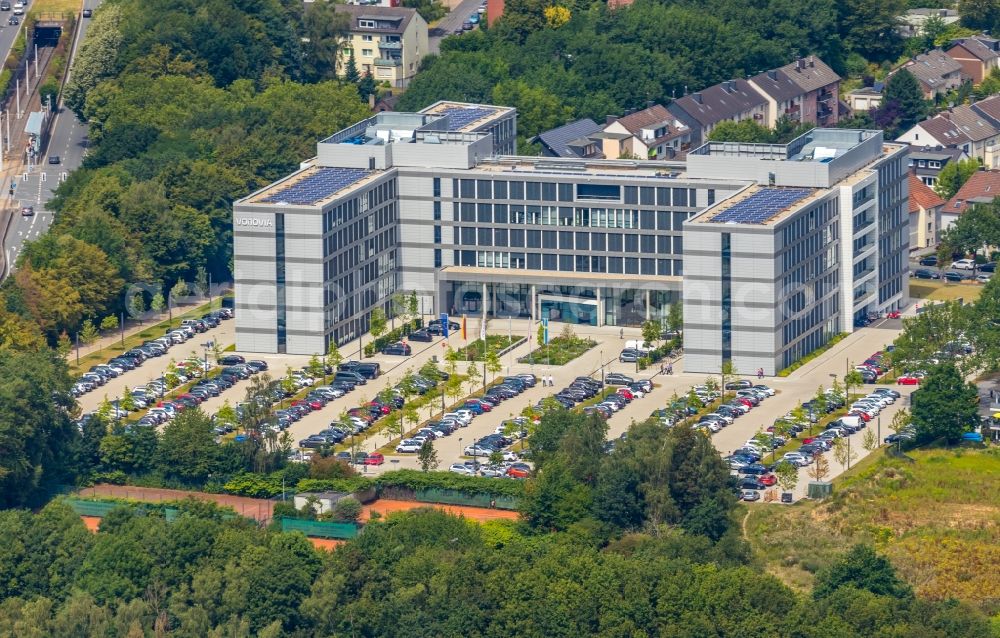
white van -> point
(639, 345)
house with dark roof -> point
(937, 131)
(573, 140)
(732, 100)
(925, 214)
(936, 71)
(981, 130)
(820, 86)
(387, 42)
(982, 188)
(978, 55)
(652, 133)
(927, 163)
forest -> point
(640, 542)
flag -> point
(482, 329)
(465, 336)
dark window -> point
(598, 241)
(468, 258)
(663, 197)
(517, 190)
(454, 211)
(534, 261)
(614, 242)
(456, 232)
(648, 243)
(517, 237)
(437, 257)
(534, 192)
(468, 212)
(500, 213)
(582, 263)
(549, 192)
(679, 219)
(437, 234)
(599, 264)
(648, 266)
(565, 216)
(565, 240)
(485, 237)
(662, 244)
(500, 189)
(281, 326)
(711, 196)
(549, 239)
(565, 192)
(680, 197)
(631, 243)
(437, 211)
(582, 242)
(534, 239)
(615, 265)
(607, 192)
(663, 220)
(468, 236)
(647, 220)
(437, 187)
(468, 188)
(678, 245)
(500, 237)
(485, 213)
(647, 196)
(663, 267)
(566, 263)
(549, 261)
(631, 194)
(631, 266)
(484, 189)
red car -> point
(625, 392)
(485, 405)
(190, 397)
(519, 470)
(768, 479)
(895, 314)
(861, 413)
(381, 407)
(305, 404)
(910, 378)
(375, 458)
(745, 401)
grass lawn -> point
(942, 291)
(937, 517)
(474, 351)
(558, 351)
(39, 7)
(152, 331)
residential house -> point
(732, 100)
(388, 42)
(925, 214)
(573, 140)
(806, 90)
(978, 56)
(936, 71)
(983, 133)
(981, 188)
(866, 98)
(927, 163)
(652, 133)
(937, 131)
(912, 22)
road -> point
(68, 140)
(451, 23)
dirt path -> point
(258, 509)
(481, 514)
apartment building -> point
(732, 100)
(806, 90)
(925, 214)
(978, 55)
(651, 133)
(927, 163)
(436, 203)
(387, 42)
(936, 72)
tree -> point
(945, 406)
(541, 334)
(869, 441)
(746, 131)
(347, 510)
(787, 475)
(377, 324)
(325, 28)
(904, 100)
(413, 304)
(819, 469)
(188, 451)
(180, 290)
(127, 402)
(870, 28)
(451, 360)
(842, 452)
(820, 401)
(650, 332)
(953, 175)
(728, 370)
(409, 413)
(492, 362)
(861, 568)
(351, 69)
(136, 305)
(109, 323)
(227, 415)
(675, 317)
(472, 376)
(315, 367)
(427, 456)
(89, 333)
(852, 378)
(157, 304)
(837, 390)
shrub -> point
(392, 336)
(416, 480)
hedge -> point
(346, 485)
(417, 480)
(834, 340)
(392, 336)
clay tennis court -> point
(481, 514)
(256, 508)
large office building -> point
(436, 202)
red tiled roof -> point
(982, 186)
(922, 196)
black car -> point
(954, 277)
(988, 267)
(750, 483)
(257, 365)
(420, 335)
(231, 360)
(923, 273)
(452, 326)
(616, 378)
(398, 348)
(929, 260)
(87, 13)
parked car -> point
(910, 378)
(929, 260)
(616, 378)
(964, 264)
(420, 335)
(408, 445)
(923, 273)
(749, 495)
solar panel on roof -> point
(761, 205)
(460, 116)
(317, 186)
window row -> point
(565, 240)
(569, 192)
(569, 263)
(565, 216)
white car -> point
(464, 419)
(797, 459)
(475, 450)
(714, 427)
(468, 415)
(727, 419)
(964, 264)
(408, 445)
(769, 391)
(459, 468)
(510, 456)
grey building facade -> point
(434, 203)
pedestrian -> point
(621, 333)
(662, 369)
(493, 503)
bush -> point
(417, 480)
(344, 485)
(347, 510)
